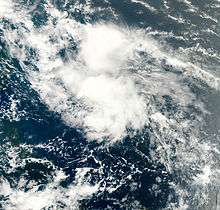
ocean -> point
(109, 104)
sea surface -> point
(110, 104)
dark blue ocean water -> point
(36, 142)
